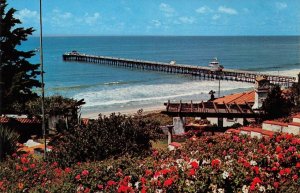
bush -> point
(8, 142)
(108, 136)
(223, 163)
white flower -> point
(137, 185)
(221, 190)
(262, 189)
(225, 175)
(245, 189)
(158, 191)
(204, 162)
(253, 163)
(227, 157)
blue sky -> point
(162, 17)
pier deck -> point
(199, 71)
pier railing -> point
(198, 71)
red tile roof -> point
(297, 116)
(295, 124)
(28, 121)
(239, 98)
(21, 120)
(4, 119)
(276, 123)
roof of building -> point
(239, 98)
(276, 123)
(5, 119)
(297, 116)
(294, 124)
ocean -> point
(108, 89)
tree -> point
(17, 74)
(276, 105)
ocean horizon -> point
(106, 88)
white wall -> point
(292, 129)
(272, 127)
(256, 134)
(226, 122)
(296, 120)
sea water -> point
(106, 88)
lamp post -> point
(42, 77)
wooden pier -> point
(198, 71)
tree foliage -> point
(276, 105)
(17, 74)
(8, 142)
(108, 136)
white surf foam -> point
(161, 92)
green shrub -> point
(105, 137)
(8, 142)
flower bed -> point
(226, 163)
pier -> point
(197, 71)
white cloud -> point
(216, 17)
(187, 20)
(280, 5)
(61, 18)
(26, 14)
(204, 9)
(167, 9)
(156, 23)
(227, 10)
(90, 20)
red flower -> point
(111, 183)
(278, 149)
(148, 172)
(54, 164)
(143, 180)
(276, 184)
(295, 177)
(24, 169)
(32, 166)
(123, 188)
(298, 165)
(144, 190)
(68, 170)
(87, 190)
(168, 182)
(256, 180)
(256, 169)
(195, 165)
(57, 171)
(24, 160)
(215, 163)
(85, 172)
(192, 172)
(100, 186)
(78, 177)
(18, 167)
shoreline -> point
(129, 112)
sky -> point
(161, 17)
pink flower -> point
(100, 186)
(295, 177)
(24, 160)
(32, 166)
(78, 177)
(276, 184)
(85, 172)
